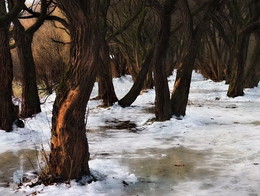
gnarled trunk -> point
(69, 147)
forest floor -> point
(213, 150)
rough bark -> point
(69, 147)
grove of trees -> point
(95, 40)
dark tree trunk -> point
(69, 147)
(236, 85)
(252, 77)
(7, 114)
(149, 82)
(30, 97)
(106, 90)
(131, 96)
(183, 78)
(181, 90)
(162, 94)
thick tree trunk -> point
(106, 90)
(131, 96)
(7, 113)
(69, 147)
(236, 85)
(252, 77)
(162, 93)
(30, 97)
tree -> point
(252, 76)
(162, 93)
(69, 147)
(106, 90)
(192, 41)
(7, 113)
(135, 90)
(247, 22)
(23, 39)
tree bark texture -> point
(69, 147)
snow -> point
(213, 150)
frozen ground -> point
(214, 150)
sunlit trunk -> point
(69, 147)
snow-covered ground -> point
(213, 150)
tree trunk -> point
(183, 78)
(7, 114)
(106, 90)
(162, 94)
(237, 78)
(69, 147)
(131, 96)
(252, 77)
(30, 97)
(181, 90)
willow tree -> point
(7, 113)
(69, 146)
